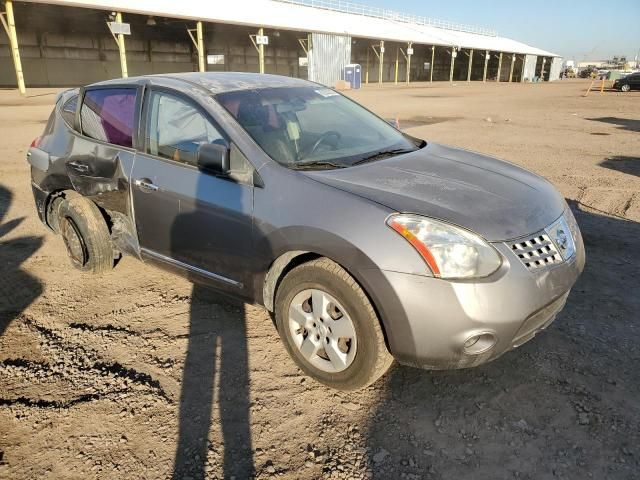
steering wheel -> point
(325, 136)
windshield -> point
(313, 127)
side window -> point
(175, 128)
(107, 114)
(69, 110)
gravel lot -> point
(139, 374)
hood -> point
(496, 199)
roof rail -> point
(375, 12)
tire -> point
(626, 87)
(53, 207)
(360, 357)
(85, 235)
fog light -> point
(479, 343)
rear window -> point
(69, 110)
(107, 114)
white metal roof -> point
(287, 16)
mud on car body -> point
(365, 243)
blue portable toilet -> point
(353, 75)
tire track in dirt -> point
(72, 368)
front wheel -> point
(329, 326)
(626, 87)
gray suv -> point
(365, 243)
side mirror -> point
(394, 122)
(213, 157)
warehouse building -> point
(69, 42)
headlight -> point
(563, 234)
(450, 251)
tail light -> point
(36, 142)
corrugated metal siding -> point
(530, 67)
(327, 57)
(556, 67)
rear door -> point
(101, 157)
(185, 215)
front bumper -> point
(428, 320)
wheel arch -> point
(291, 259)
(53, 196)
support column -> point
(513, 62)
(469, 69)
(9, 25)
(381, 57)
(453, 61)
(259, 47)
(366, 74)
(499, 67)
(198, 43)
(261, 51)
(486, 64)
(409, 53)
(200, 38)
(524, 61)
(121, 48)
(433, 57)
(397, 64)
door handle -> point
(79, 167)
(146, 185)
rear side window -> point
(176, 128)
(107, 114)
(69, 110)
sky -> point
(578, 29)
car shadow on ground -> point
(630, 165)
(562, 405)
(621, 123)
(18, 289)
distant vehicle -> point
(588, 72)
(364, 242)
(628, 82)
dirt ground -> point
(139, 374)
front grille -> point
(537, 252)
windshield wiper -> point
(383, 154)
(314, 164)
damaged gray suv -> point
(365, 243)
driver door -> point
(186, 216)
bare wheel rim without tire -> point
(322, 330)
(74, 242)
